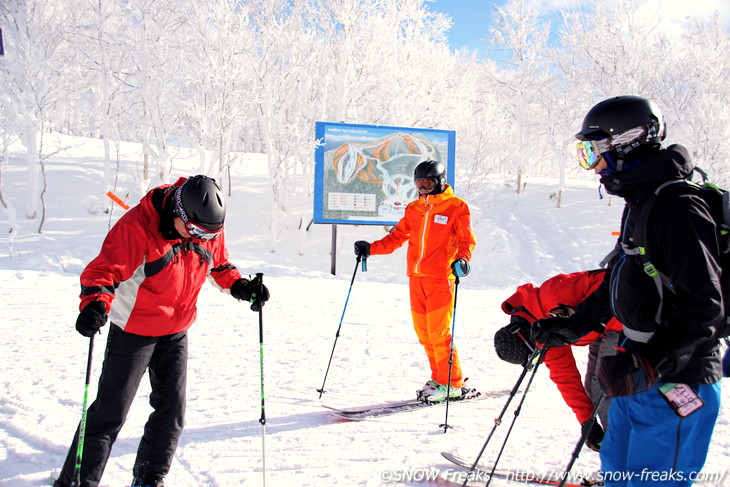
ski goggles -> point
(427, 184)
(195, 230)
(200, 233)
(589, 152)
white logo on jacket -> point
(442, 219)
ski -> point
(483, 472)
(393, 407)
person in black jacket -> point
(665, 375)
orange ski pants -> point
(432, 308)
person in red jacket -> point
(146, 280)
(556, 296)
(437, 228)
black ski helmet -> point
(200, 200)
(617, 115)
(432, 170)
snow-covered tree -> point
(226, 77)
(217, 85)
(98, 41)
(524, 82)
(32, 73)
(156, 49)
(697, 96)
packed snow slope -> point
(521, 238)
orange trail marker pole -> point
(116, 199)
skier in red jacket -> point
(146, 280)
(555, 296)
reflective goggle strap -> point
(179, 206)
(620, 158)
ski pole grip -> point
(364, 264)
(260, 277)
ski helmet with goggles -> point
(432, 170)
(200, 205)
(630, 125)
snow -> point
(521, 238)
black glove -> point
(91, 319)
(252, 290)
(559, 331)
(362, 248)
(460, 267)
(595, 434)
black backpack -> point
(719, 202)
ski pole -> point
(262, 420)
(446, 426)
(82, 425)
(535, 354)
(337, 335)
(518, 409)
(584, 435)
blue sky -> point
(472, 18)
(471, 21)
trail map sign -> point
(364, 173)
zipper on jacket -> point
(615, 276)
(416, 268)
(618, 266)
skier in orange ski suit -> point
(440, 242)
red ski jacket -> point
(150, 284)
(533, 303)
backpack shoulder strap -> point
(718, 200)
(615, 250)
(640, 242)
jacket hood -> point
(670, 163)
(160, 202)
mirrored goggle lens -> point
(588, 153)
(201, 233)
(426, 183)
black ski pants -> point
(126, 359)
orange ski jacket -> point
(438, 231)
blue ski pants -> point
(647, 444)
